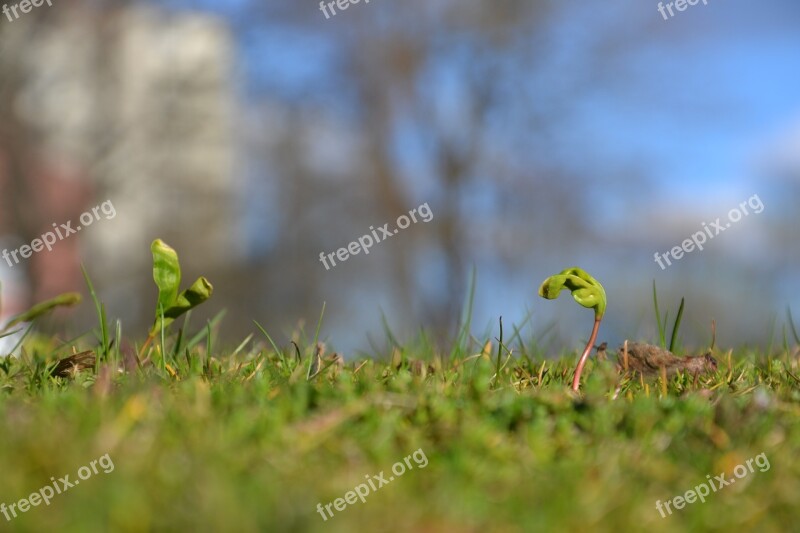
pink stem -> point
(576, 381)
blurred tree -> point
(435, 101)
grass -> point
(259, 437)
(249, 438)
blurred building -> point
(134, 104)
(170, 105)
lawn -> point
(251, 442)
(179, 432)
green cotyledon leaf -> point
(199, 292)
(586, 290)
(166, 274)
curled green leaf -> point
(199, 292)
(586, 290)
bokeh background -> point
(253, 135)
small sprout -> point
(588, 292)
(167, 275)
(171, 304)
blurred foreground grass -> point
(248, 442)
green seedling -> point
(588, 292)
(171, 303)
(167, 275)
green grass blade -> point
(241, 346)
(264, 331)
(312, 359)
(209, 345)
(785, 341)
(162, 328)
(791, 325)
(388, 331)
(499, 353)
(676, 327)
(518, 330)
(462, 341)
(118, 336)
(101, 314)
(319, 325)
(772, 321)
(198, 338)
(661, 333)
(9, 333)
(21, 339)
(177, 348)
